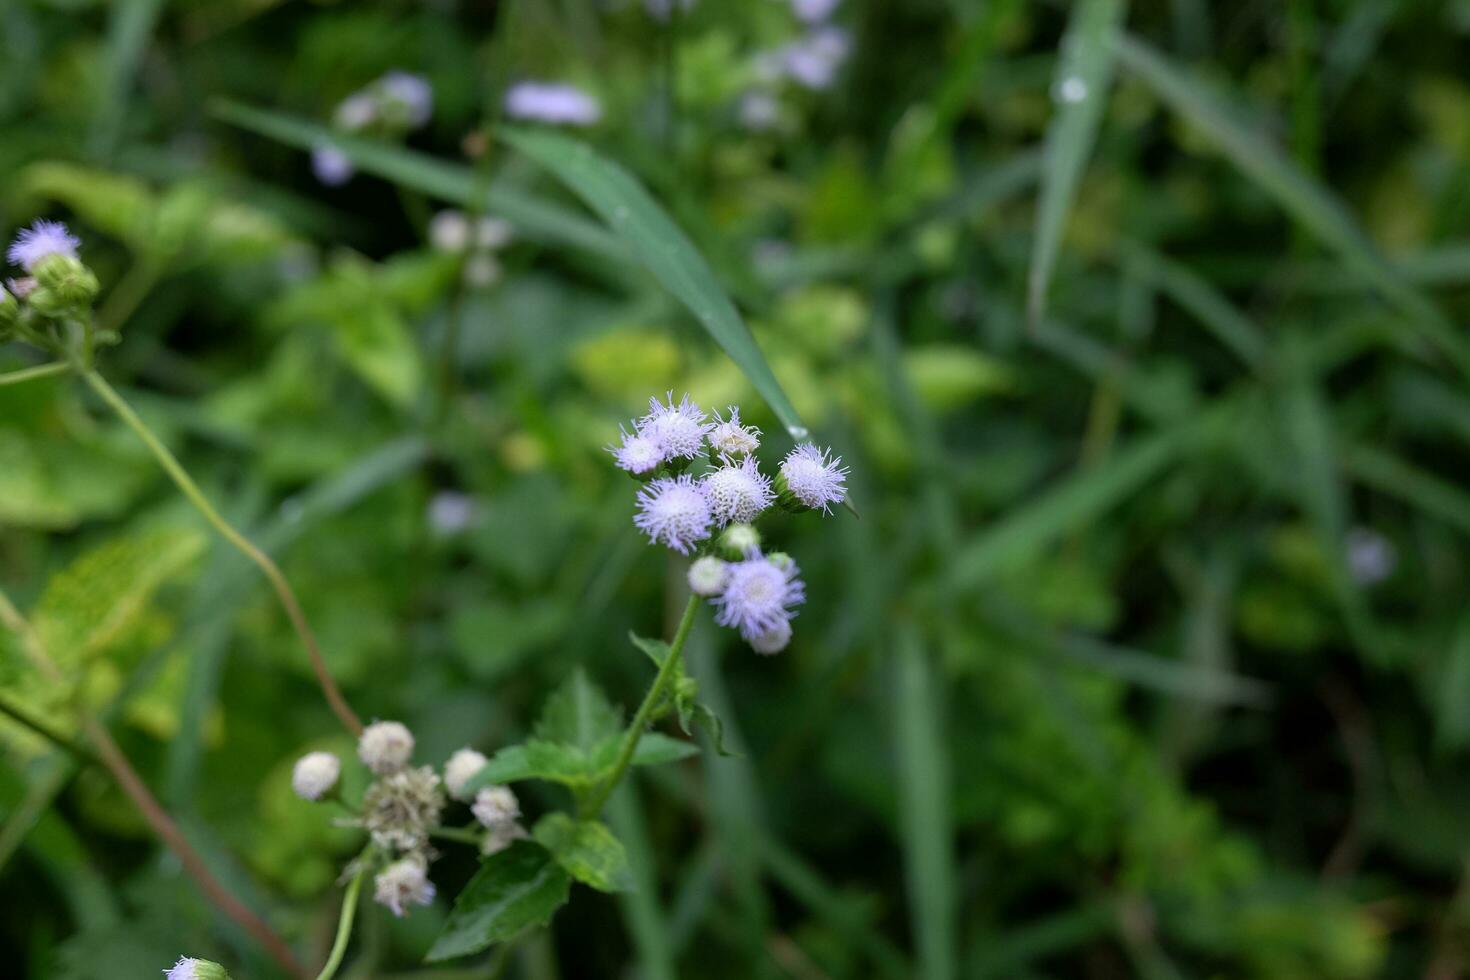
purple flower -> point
(737, 492)
(552, 102)
(331, 165)
(679, 430)
(760, 596)
(813, 11)
(638, 454)
(1371, 557)
(773, 640)
(411, 94)
(813, 61)
(808, 479)
(673, 512)
(759, 111)
(41, 239)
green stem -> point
(54, 737)
(128, 295)
(344, 926)
(463, 835)
(593, 804)
(273, 574)
(31, 373)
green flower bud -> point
(188, 968)
(686, 689)
(63, 285)
(737, 540)
(9, 312)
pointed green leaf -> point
(1084, 73)
(586, 850)
(657, 650)
(578, 714)
(655, 750)
(519, 887)
(659, 244)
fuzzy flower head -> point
(760, 595)
(673, 512)
(38, 241)
(459, 769)
(552, 102)
(400, 810)
(707, 576)
(810, 480)
(730, 438)
(402, 884)
(678, 430)
(502, 836)
(188, 968)
(773, 640)
(496, 805)
(737, 492)
(639, 454)
(315, 775)
(385, 746)
(331, 165)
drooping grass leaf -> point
(536, 220)
(923, 789)
(1196, 295)
(519, 887)
(1312, 205)
(1083, 76)
(653, 238)
(586, 850)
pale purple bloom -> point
(552, 102)
(331, 165)
(730, 438)
(760, 595)
(41, 239)
(759, 111)
(638, 454)
(737, 492)
(411, 94)
(813, 61)
(773, 640)
(673, 512)
(1371, 557)
(357, 111)
(679, 430)
(403, 883)
(451, 512)
(184, 969)
(813, 479)
(813, 11)
(496, 805)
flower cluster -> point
(810, 62)
(552, 102)
(478, 241)
(51, 302)
(754, 593)
(391, 106)
(402, 809)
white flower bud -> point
(385, 746)
(315, 775)
(707, 576)
(403, 883)
(495, 806)
(449, 231)
(502, 836)
(458, 770)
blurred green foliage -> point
(1148, 655)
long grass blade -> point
(1083, 75)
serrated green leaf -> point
(578, 714)
(586, 850)
(659, 244)
(705, 716)
(519, 887)
(655, 749)
(578, 768)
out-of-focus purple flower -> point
(773, 640)
(451, 512)
(662, 9)
(813, 11)
(673, 512)
(810, 479)
(410, 94)
(813, 61)
(41, 239)
(331, 165)
(759, 111)
(1371, 557)
(552, 102)
(760, 595)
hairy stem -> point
(157, 818)
(273, 574)
(344, 926)
(593, 804)
(32, 373)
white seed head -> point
(502, 836)
(737, 492)
(730, 438)
(402, 884)
(707, 576)
(461, 766)
(673, 512)
(496, 805)
(773, 640)
(809, 479)
(385, 746)
(401, 809)
(315, 774)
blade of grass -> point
(1388, 474)
(922, 766)
(645, 230)
(129, 27)
(537, 220)
(1084, 73)
(1196, 295)
(1310, 203)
